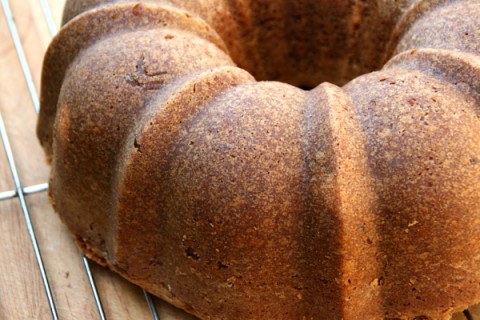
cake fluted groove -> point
(168, 116)
(341, 202)
(177, 105)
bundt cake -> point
(272, 159)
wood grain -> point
(22, 294)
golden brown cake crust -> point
(234, 198)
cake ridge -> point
(354, 202)
(447, 25)
(446, 65)
(103, 22)
(439, 160)
(415, 12)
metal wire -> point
(19, 191)
(21, 54)
(36, 188)
(151, 305)
(96, 296)
(48, 17)
(53, 31)
(26, 214)
(26, 191)
(8, 195)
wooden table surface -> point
(22, 294)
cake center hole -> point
(305, 43)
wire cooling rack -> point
(20, 192)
